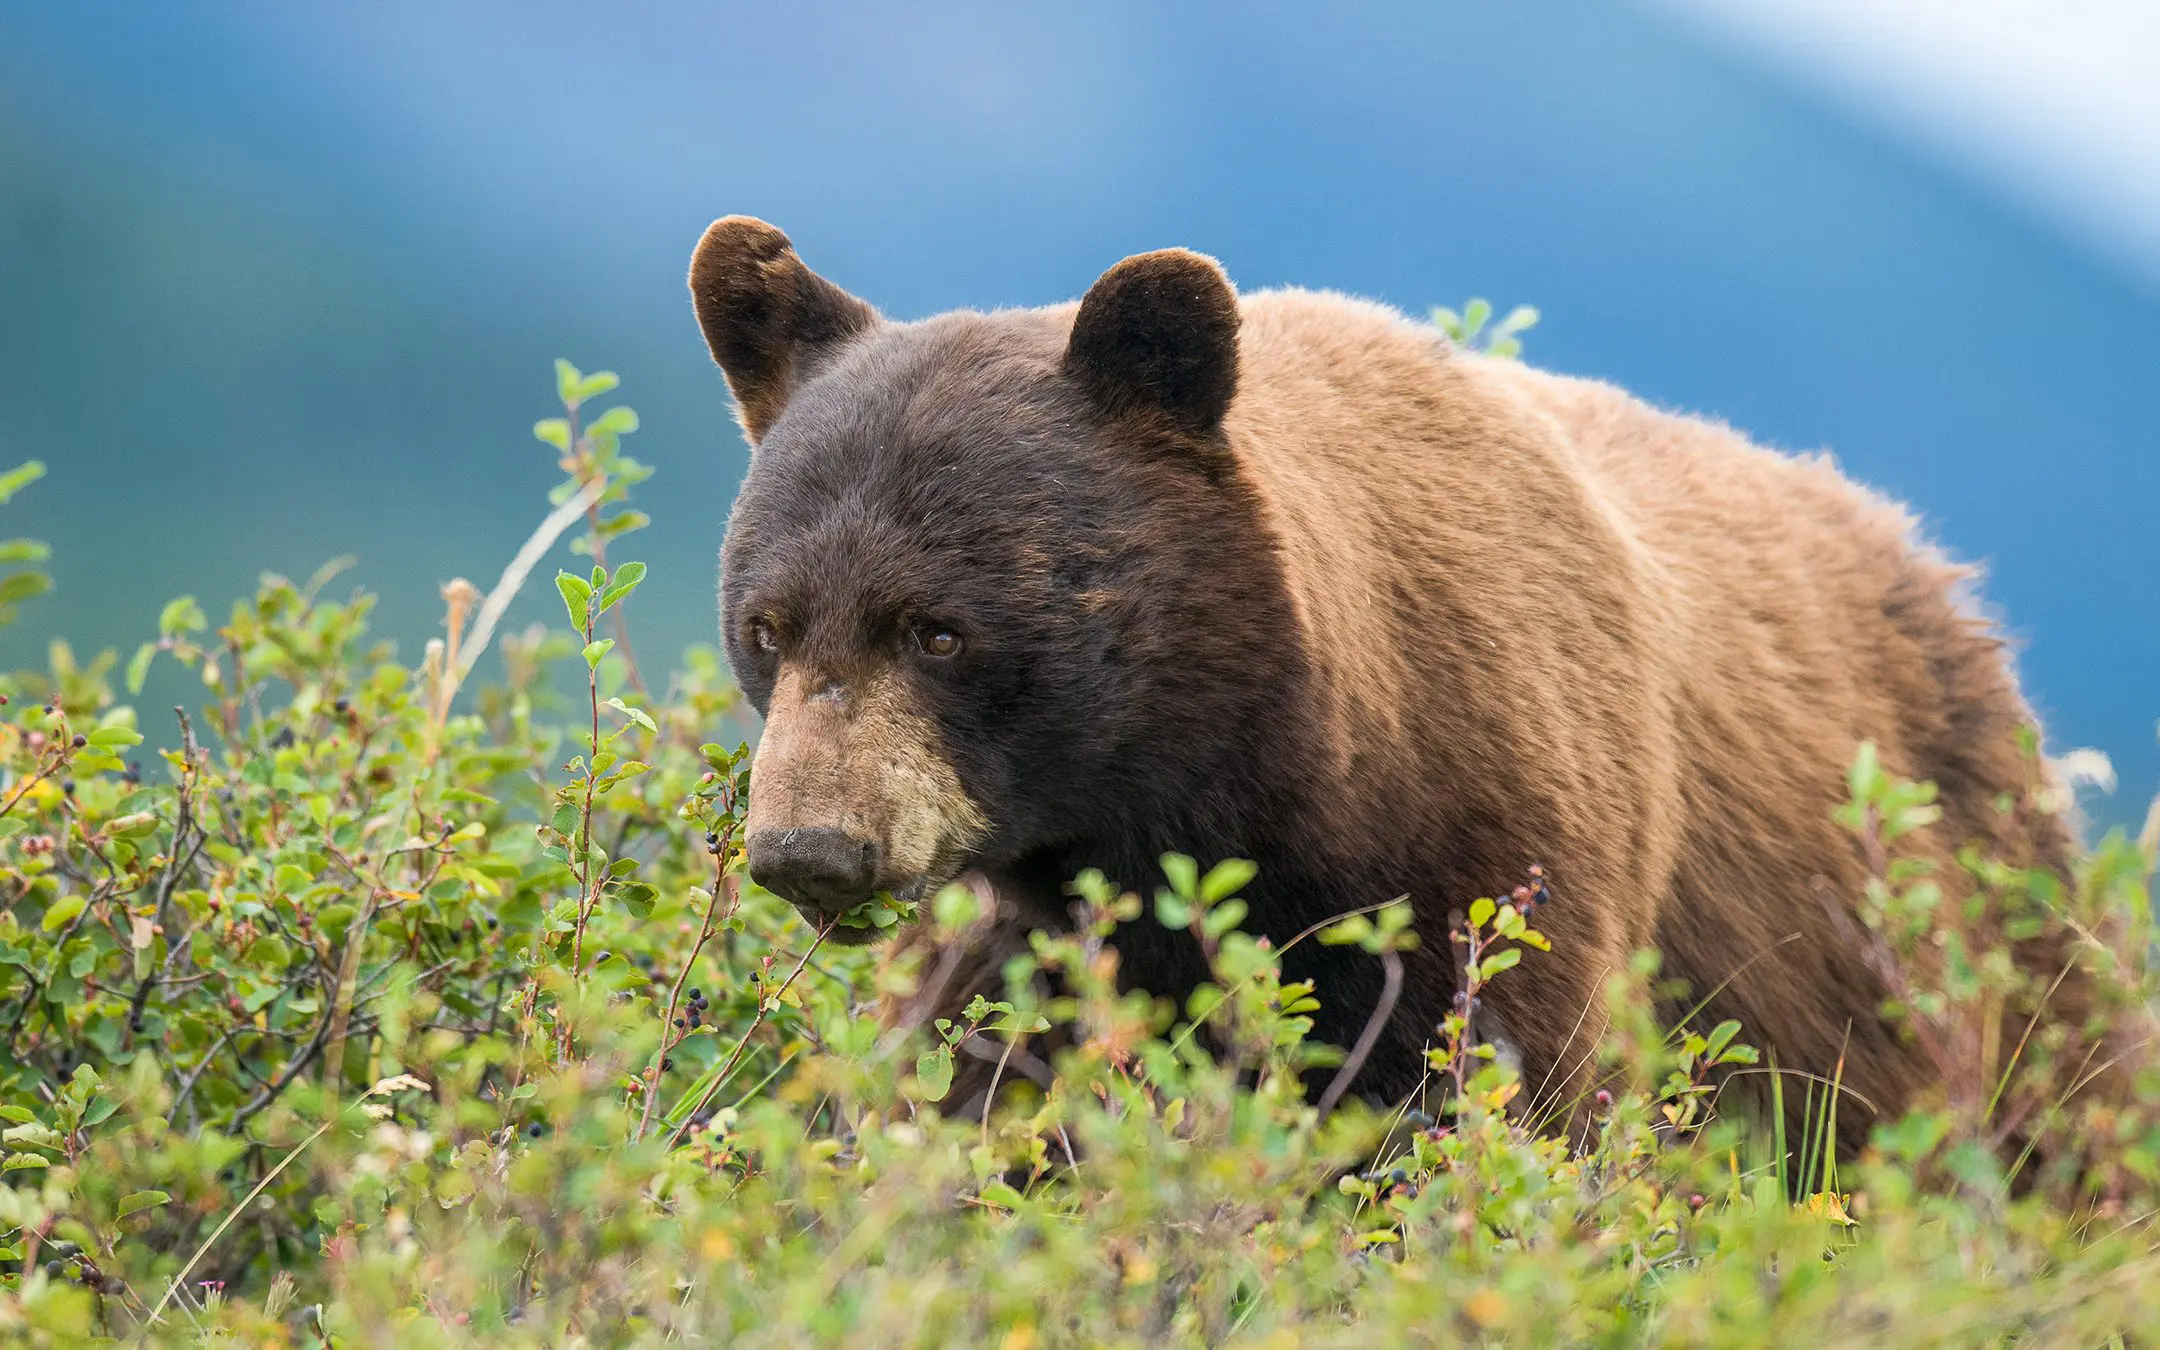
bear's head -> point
(993, 580)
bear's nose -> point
(827, 868)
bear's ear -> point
(1158, 333)
(765, 315)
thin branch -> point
(1368, 1038)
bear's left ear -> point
(765, 314)
(1158, 333)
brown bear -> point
(1287, 577)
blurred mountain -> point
(279, 282)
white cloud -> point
(2054, 102)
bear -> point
(1289, 577)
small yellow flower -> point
(1485, 1307)
(1830, 1206)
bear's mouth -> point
(883, 914)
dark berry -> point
(697, 996)
(67, 786)
(342, 706)
(80, 741)
(601, 959)
(53, 1268)
(534, 1129)
(283, 740)
(680, 1022)
(667, 1064)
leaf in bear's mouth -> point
(881, 910)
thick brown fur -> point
(1285, 576)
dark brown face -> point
(932, 584)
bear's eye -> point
(763, 640)
(942, 643)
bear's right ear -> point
(765, 315)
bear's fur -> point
(1285, 576)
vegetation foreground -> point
(359, 1012)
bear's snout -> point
(853, 795)
(825, 869)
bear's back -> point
(1648, 646)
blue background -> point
(282, 282)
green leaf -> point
(638, 898)
(1720, 1036)
(18, 1161)
(955, 907)
(626, 580)
(616, 422)
(998, 1193)
(633, 714)
(1355, 929)
(594, 651)
(1173, 912)
(934, 1070)
(1481, 911)
(132, 825)
(1226, 879)
(20, 477)
(140, 1201)
(593, 386)
(23, 585)
(566, 820)
(139, 667)
(623, 522)
(63, 912)
(1223, 917)
(115, 738)
(567, 380)
(553, 431)
(577, 598)
(181, 615)
(24, 550)
(1499, 961)
(1183, 874)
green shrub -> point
(357, 1013)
